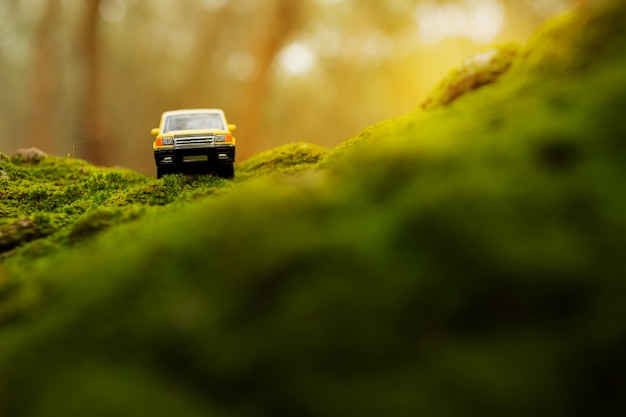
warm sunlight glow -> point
(296, 58)
(241, 66)
(112, 11)
(331, 2)
(479, 20)
(214, 4)
(547, 8)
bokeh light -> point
(479, 20)
(296, 58)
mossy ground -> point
(462, 260)
(51, 203)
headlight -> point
(224, 138)
(168, 141)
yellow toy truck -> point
(195, 141)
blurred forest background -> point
(90, 78)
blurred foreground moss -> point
(465, 260)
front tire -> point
(161, 171)
(226, 171)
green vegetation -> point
(475, 72)
(286, 160)
(67, 200)
(464, 260)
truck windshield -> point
(193, 122)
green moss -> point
(49, 203)
(103, 217)
(574, 42)
(19, 298)
(465, 260)
(284, 160)
(473, 73)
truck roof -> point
(192, 111)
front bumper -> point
(191, 158)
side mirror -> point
(232, 127)
(154, 131)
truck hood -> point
(195, 132)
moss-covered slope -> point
(49, 203)
(463, 260)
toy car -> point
(195, 141)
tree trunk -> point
(264, 47)
(92, 143)
(194, 87)
(41, 129)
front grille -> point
(192, 141)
